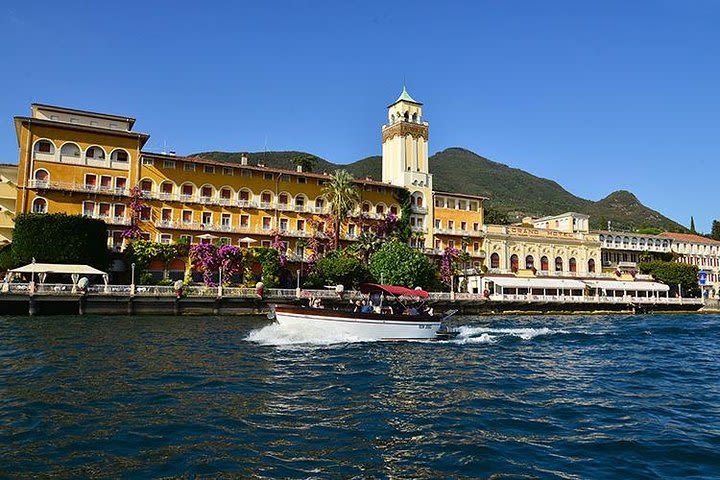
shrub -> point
(60, 238)
(673, 274)
(270, 261)
(340, 267)
(399, 264)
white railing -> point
(76, 187)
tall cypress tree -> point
(692, 225)
(715, 232)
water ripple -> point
(511, 397)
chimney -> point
(299, 168)
(243, 159)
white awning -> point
(638, 286)
(535, 282)
(58, 268)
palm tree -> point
(343, 196)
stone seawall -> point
(164, 305)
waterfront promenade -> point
(43, 299)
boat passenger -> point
(366, 308)
(412, 311)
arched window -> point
(186, 190)
(558, 264)
(319, 203)
(514, 263)
(300, 201)
(495, 260)
(70, 150)
(42, 177)
(95, 152)
(414, 117)
(206, 192)
(591, 265)
(366, 207)
(379, 209)
(118, 155)
(225, 193)
(244, 195)
(529, 262)
(39, 205)
(394, 209)
(544, 264)
(407, 116)
(146, 186)
(45, 146)
(572, 264)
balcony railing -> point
(418, 210)
(77, 187)
(109, 219)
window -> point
(225, 193)
(451, 224)
(145, 213)
(148, 161)
(544, 264)
(366, 207)
(146, 186)
(189, 167)
(476, 246)
(166, 188)
(70, 150)
(244, 221)
(351, 229)
(119, 210)
(165, 238)
(514, 263)
(227, 170)
(572, 264)
(299, 202)
(106, 182)
(299, 250)
(301, 180)
(225, 241)
(187, 190)
(379, 209)
(169, 164)
(119, 156)
(42, 176)
(187, 216)
(495, 260)
(244, 196)
(206, 192)
(247, 173)
(120, 184)
(529, 262)
(44, 146)
(88, 209)
(476, 226)
(266, 223)
(90, 180)
(284, 224)
(265, 243)
(225, 219)
(186, 239)
(268, 176)
(209, 169)
(438, 223)
(95, 153)
(463, 226)
(319, 203)
(393, 210)
(39, 205)
(451, 243)
(166, 214)
(266, 198)
(206, 218)
(301, 225)
(104, 209)
(283, 199)
(558, 264)
(591, 265)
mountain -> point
(511, 191)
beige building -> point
(8, 194)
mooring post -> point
(130, 305)
(32, 308)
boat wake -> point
(310, 334)
(491, 335)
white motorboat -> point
(383, 323)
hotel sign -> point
(535, 232)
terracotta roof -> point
(689, 238)
(284, 171)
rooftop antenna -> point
(164, 150)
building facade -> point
(702, 252)
(8, 195)
(624, 250)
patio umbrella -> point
(247, 240)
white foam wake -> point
(486, 334)
(310, 334)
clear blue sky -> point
(599, 96)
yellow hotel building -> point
(82, 162)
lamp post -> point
(132, 278)
(297, 288)
(220, 292)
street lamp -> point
(132, 278)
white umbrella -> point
(247, 240)
(207, 235)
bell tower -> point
(405, 145)
(405, 163)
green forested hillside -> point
(511, 190)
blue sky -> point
(598, 96)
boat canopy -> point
(393, 290)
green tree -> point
(306, 162)
(493, 216)
(674, 274)
(341, 267)
(397, 263)
(269, 259)
(403, 231)
(650, 231)
(343, 196)
(59, 238)
(692, 225)
(715, 232)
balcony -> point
(77, 187)
(419, 210)
(109, 219)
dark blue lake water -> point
(513, 397)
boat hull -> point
(360, 326)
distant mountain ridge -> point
(510, 190)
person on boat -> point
(412, 311)
(366, 308)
